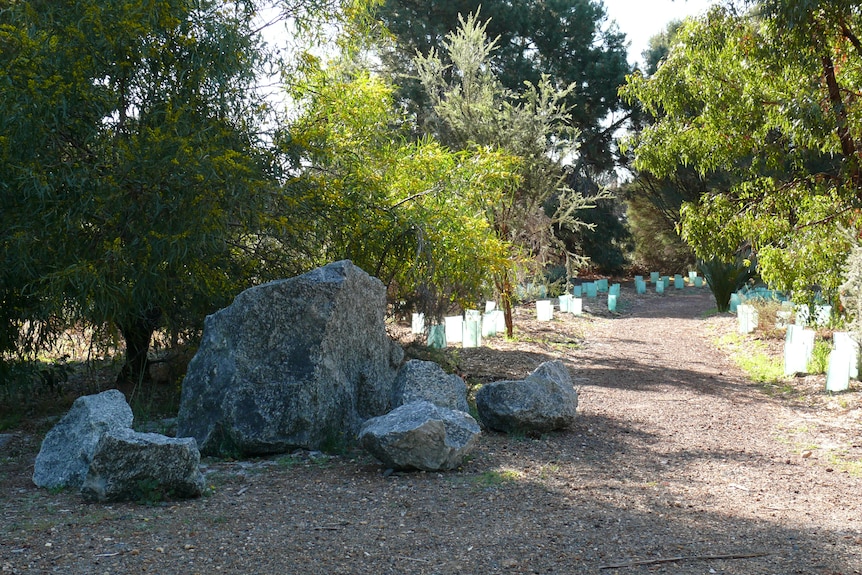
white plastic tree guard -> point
(612, 302)
(798, 347)
(417, 323)
(500, 318)
(822, 314)
(747, 318)
(454, 328)
(472, 336)
(843, 362)
(844, 340)
(838, 372)
(489, 323)
(544, 310)
(577, 306)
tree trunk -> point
(505, 287)
(137, 333)
(839, 111)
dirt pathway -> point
(724, 466)
(677, 465)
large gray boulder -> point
(420, 435)
(67, 450)
(419, 380)
(132, 466)
(545, 401)
(294, 363)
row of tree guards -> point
(799, 340)
(470, 328)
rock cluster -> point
(94, 449)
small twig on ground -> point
(331, 526)
(683, 558)
(412, 559)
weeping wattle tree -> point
(135, 184)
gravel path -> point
(678, 464)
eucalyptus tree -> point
(766, 91)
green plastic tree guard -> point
(437, 336)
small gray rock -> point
(132, 466)
(67, 449)
(419, 380)
(545, 401)
(422, 436)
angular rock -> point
(132, 466)
(294, 363)
(419, 380)
(68, 448)
(546, 400)
(420, 435)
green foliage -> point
(605, 240)
(724, 278)
(569, 41)
(657, 245)
(476, 111)
(130, 136)
(851, 289)
(766, 97)
(819, 361)
(496, 478)
(752, 358)
(150, 491)
(414, 214)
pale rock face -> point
(419, 380)
(545, 401)
(129, 466)
(67, 449)
(421, 435)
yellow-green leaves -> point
(415, 214)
